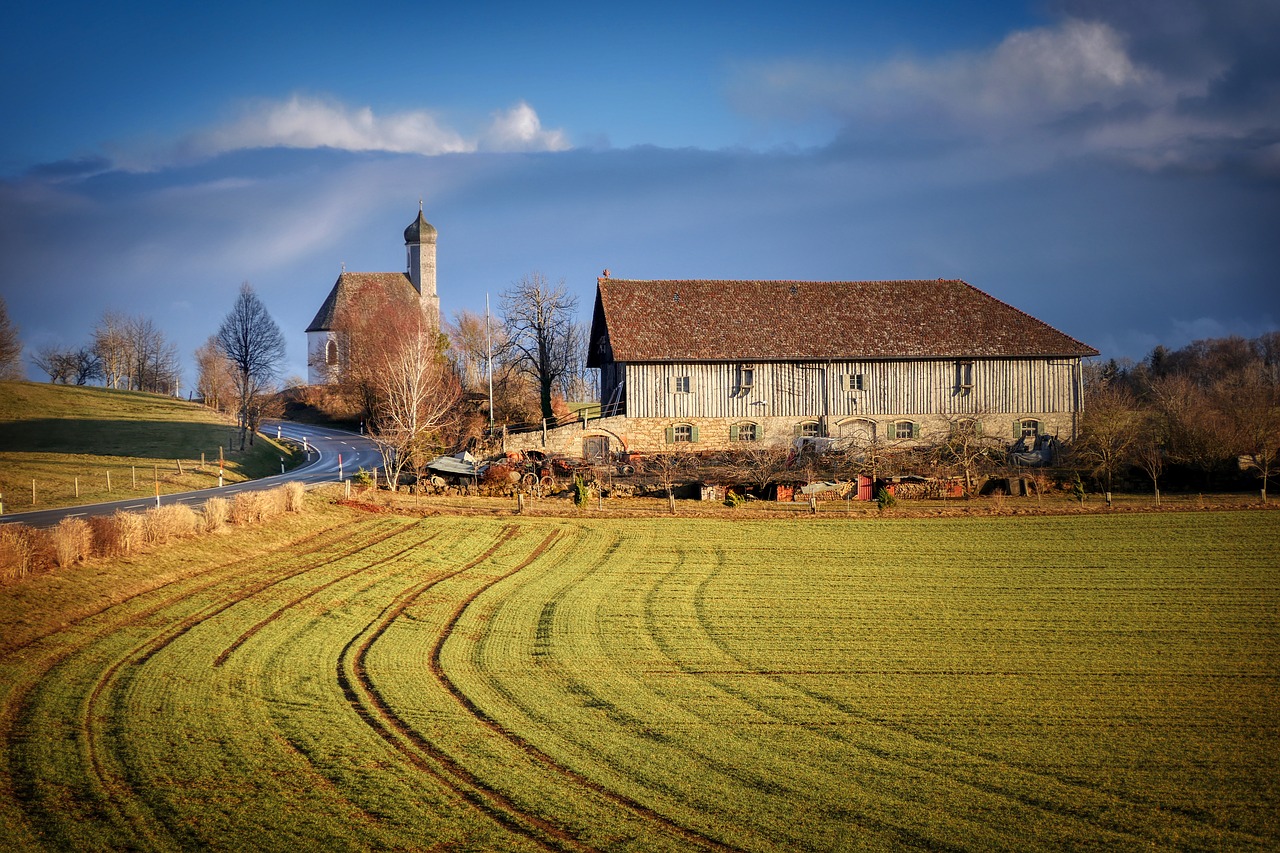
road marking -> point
(74, 514)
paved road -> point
(326, 447)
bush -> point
(294, 493)
(216, 511)
(885, 499)
(72, 539)
(167, 523)
(581, 494)
(131, 531)
(247, 508)
(23, 550)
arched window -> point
(744, 432)
(858, 430)
(808, 429)
(331, 353)
(682, 434)
(1027, 428)
(903, 429)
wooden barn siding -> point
(1012, 386)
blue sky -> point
(1113, 169)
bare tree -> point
(111, 345)
(58, 363)
(966, 447)
(539, 319)
(1194, 430)
(416, 395)
(1108, 430)
(759, 464)
(671, 468)
(87, 366)
(469, 336)
(10, 346)
(1149, 451)
(215, 375)
(252, 342)
(1250, 405)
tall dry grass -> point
(26, 550)
(72, 541)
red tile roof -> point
(813, 320)
(396, 287)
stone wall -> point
(649, 435)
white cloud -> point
(302, 122)
(519, 129)
(1063, 89)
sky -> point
(1110, 168)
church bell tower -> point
(420, 252)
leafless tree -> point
(1149, 449)
(416, 393)
(965, 446)
(87, 366)
(539, 322)
(672, 468)
(10, 346)
(470, 335)
(215, 379)
(1250, 405)
(1194, 429)
(1108, 430)
(57, 362)
(252, 342)
(111, 343)
(759, 464)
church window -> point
(331, 353)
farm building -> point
(415, 287)
(712, 365)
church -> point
(413, 288)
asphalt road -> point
(333, 455)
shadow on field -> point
(155, 439)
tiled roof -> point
(813, 320)
(395, 285)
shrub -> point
(104, 536)
(247, 508)
(581, 494)
(166, 523)
(363, 479)
(131, 531)
(732, 499)
(72, 539)
(885, 499)
(23, 550)
(216, 511)
(294, 492)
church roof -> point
(420, 231)
(394, 286)
(645, 321)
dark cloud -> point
(77, 168)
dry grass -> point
(293, 496)
(72, 541)
(216, 511)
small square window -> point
(904, 429)
(809, 430)
(682, 433)
(746, 432)
(850, 382)
(680, 385)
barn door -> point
(596, 448)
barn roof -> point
(638, 321)
(396, 287)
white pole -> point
(489, 357)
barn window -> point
(680, 385)
(746, 378)
(682, 434)
(808, 429)
(850, 382)
(742, 432)
(331, 353)
(903, 429)
(859, 431)
(964, 376)
(1027, 428)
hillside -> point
(106, 444)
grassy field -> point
(350, 681)
(84, 445)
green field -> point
(87, 445)
(465, 683)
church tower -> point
(420, 249)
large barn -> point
(715, 364)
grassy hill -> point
(70, 439)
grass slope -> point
(353, 681)
(68, 437)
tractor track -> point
(377, 713)
(112, 790)
(664, 823)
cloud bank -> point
(312, 122)
(1097, 82)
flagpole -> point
(489, 341)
